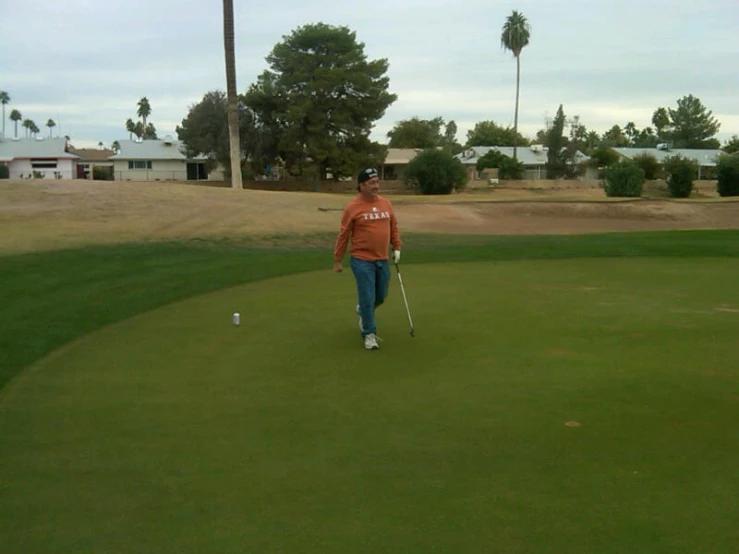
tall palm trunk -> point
(233, 113)
(515, 117)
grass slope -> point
(51, 298)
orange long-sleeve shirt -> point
(371, 225)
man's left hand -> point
(396, 256)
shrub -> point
(4, 171)
(727, 173)
(436, 172)
(649, 164)
(101, 173)
(680, 175)
(508, 168)
(605, 156)
(623, 179)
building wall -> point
(161, 170)
(65, 169)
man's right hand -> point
(337, 267)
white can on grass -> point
(236, 318)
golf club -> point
(405, 299)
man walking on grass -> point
(369, 221)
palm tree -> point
(15, 117)
(27, 124)
(144, 110)
(34, 129)
(515, 35)
(50, 124)
(233, 114)
(115, 146)
(130, 127)
(4, 98)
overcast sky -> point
(85, 63)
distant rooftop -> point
(26, 148)
(152, 149)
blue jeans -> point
(373, 281)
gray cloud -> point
(88, 62)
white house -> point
(704, 158)
(533, 158)
(39, 158)
(158, 160)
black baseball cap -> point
(366, 175)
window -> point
(43, 163)
(139, 164)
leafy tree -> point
(680, 175)
(489, 133)
(15, 117)
(615, 137)
(690, 125)
(324, 97)
(4, 99)
(150, 132)
(205, 132)
(514, 37)
(731, 146)
(646, 139)
(558, 157)
(450, 138)
(231, 95)
(623, 179)
(508, 168)
(727, 170)
(416, 133)
(436, 172)
(662, 123)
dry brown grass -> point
(54, 214)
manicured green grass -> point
(173, 431)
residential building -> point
(158, 160)
(38, 158)
(396, 160)
(92, 157)
(533, 158)
(706, 159)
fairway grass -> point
(581, 401)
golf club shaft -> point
(405, 298)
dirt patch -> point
(52, 214)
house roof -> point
(703, 157)
(535, 155)
(400, 155)
(92, 153)
(26, 148)
(152, 149)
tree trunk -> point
(515, 117)
(233, 113)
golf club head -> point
(413, 334)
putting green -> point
(559, 406)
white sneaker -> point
(370, 342)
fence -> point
(153, 175)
